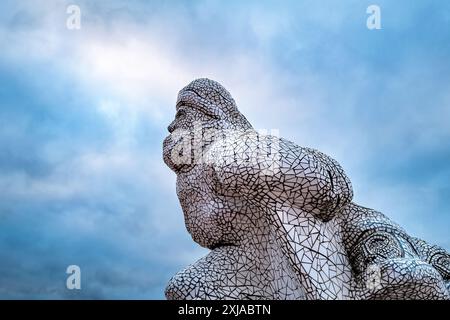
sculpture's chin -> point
(168, 145)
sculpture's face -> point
(204, 109)
(186, 138)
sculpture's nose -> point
(171, 127)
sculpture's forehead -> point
(206, 91)
(189, 97)
(208, 88)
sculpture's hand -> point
(388, 263)
(273, 170)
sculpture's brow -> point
(183, 101)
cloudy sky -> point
(83, 114)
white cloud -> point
(135, 71)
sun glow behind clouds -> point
(135, 68)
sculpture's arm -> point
(277, 170)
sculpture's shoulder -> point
(258, 152)
(241, 160)
(237, 143)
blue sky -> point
(83, 115)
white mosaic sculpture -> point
(279, 218)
